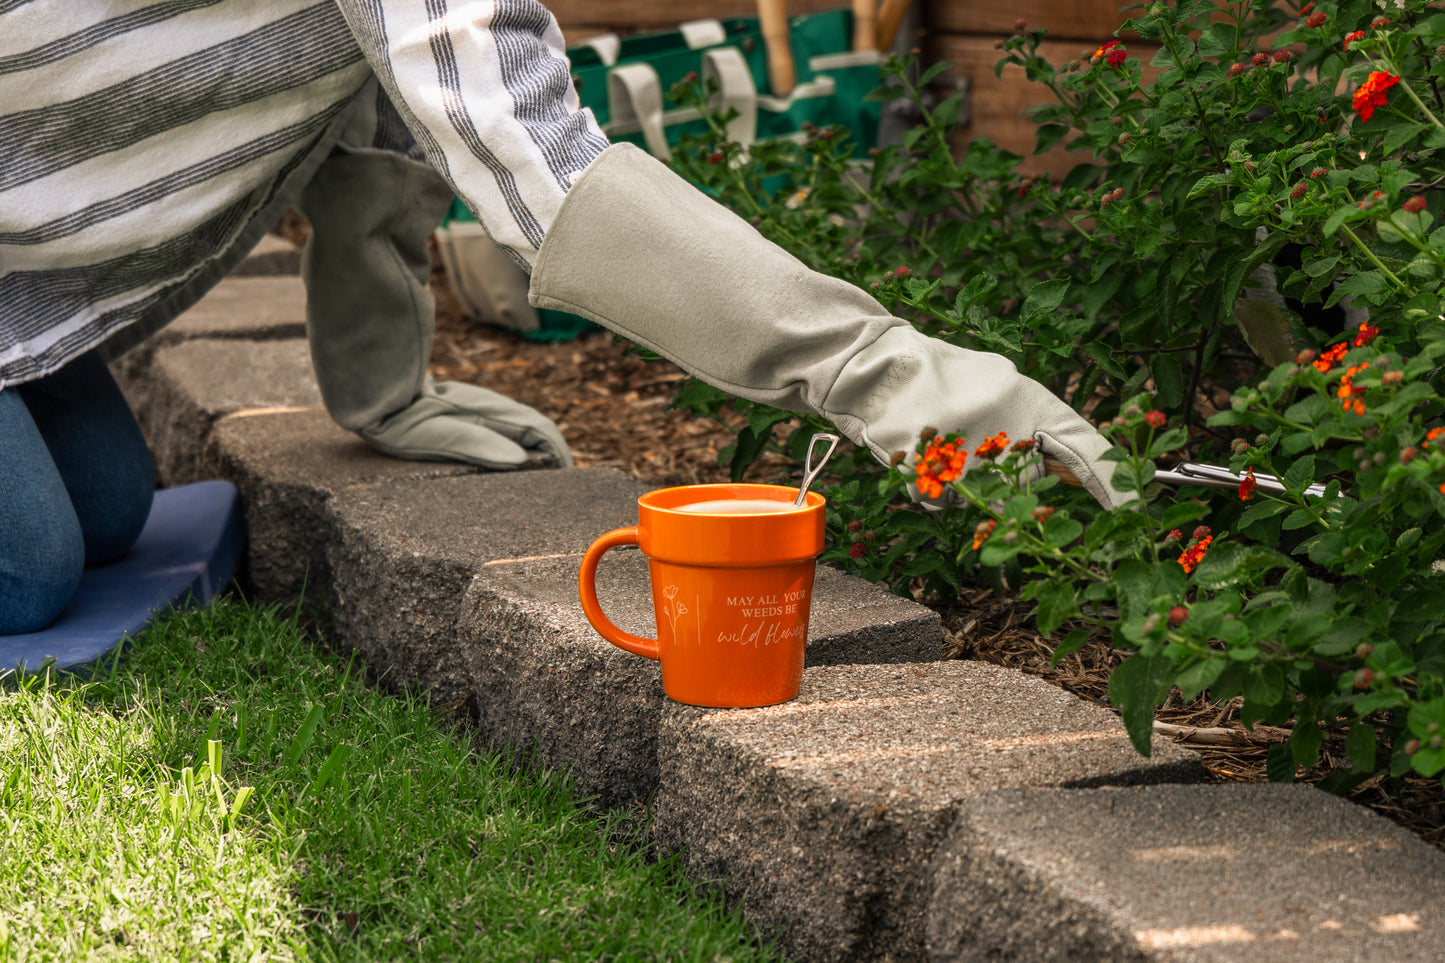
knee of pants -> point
(113, 522)
(39, 572)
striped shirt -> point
(145, 145)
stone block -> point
(248, 308)
(272, 256)
(287, 465)
(1184, 873)
(405, 555)
(823, 815)
(191, 385)
(545, 680)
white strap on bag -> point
(607, 46)
(736, 91)
(702, 33)
(634, 99)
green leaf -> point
(1168, 380)
(1360, 746)
(1304, 744)
(1101, 355)
(979, 285)
(1044, 298)
(1217, 40)
(1061, 530)
(1300, 475)
(1260, 510)
(1299, 518)
(1072, 643)
(1137, 686)
(1264, 687)
(1363, 284)
(1057, 602)
(1279, 764)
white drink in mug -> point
(737, 506)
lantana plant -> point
(1243, 269)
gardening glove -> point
(370, 319)
(454, 421)
(640, 251)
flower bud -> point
(1261, 440)
(1364, 678)
(1305, 356)
(1177, 615)
(1239, 446)
(1021, 24)
(1363, 650)
(1392, 377)
(928, 434)
(1412, 747)
(855, 526)
(1236, 69)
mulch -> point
(612, 408)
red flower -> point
(715, 157)
(942, 462)
(1364, 335)
(1195, 553)
(903, 271)
(1020, 24)
(1104, 50)
(1201, 531)
(1306, 8)
(1247, 487)
(1174, 534)
(992, 446)
(857, 550)
(1022, 446)
(1177, 615)
(1380, 22)
(1317, 18)
(1117, 56)
(1414, 204)
(1374, 92)
(1042, 513)
(1318, 172)
(1259, 59)
(1357, 35)
(1155, 418)
(1283, 56)
(1299, 190)
(1236, 69)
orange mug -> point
(732, 583)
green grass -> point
(230, 792)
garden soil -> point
(613, 409)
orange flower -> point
(992, 446)
(941, 462)
(1247, 486)
(1431, 435)
(982, 532)
(1195, 553)
(1351, 396)
(1374, 92)
(1332, 356)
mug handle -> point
(587, 585)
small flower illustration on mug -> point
(674, 609)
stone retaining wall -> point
(902, 808)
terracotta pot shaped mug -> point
(732, 570)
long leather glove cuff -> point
(642, 252)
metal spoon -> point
(810, 471)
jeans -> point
(76, 484)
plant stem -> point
(1399, 285)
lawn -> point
(230, 791)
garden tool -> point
(642, 252)
(773, 18)
(865, 30)
(370, 321)
(890, 17)
(1196, 473)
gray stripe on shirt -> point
(186, 177)
(74, 43)
(461, 121)
(538, 83)
(39, 142)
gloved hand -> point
(454, 421)
(642, 252)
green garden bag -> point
(624, 81)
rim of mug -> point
(791, 492)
